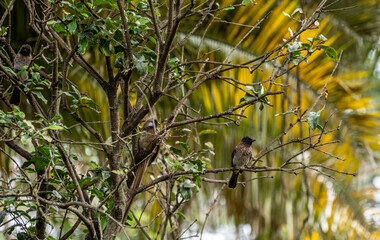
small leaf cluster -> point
(312, 120)
(108, 33)
(295, 49)
(176, 73)
(29, 129)
(80, 100)
(181, 158)
(35, 83)
(255, 92)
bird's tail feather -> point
(15, 98)
(233, 179)
(136, 183)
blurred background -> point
(309, 205)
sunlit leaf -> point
(82, 45)
(54, 127)
(72, 27)
(312, 119)
(207, 131)
(140, 63)
(330, 52)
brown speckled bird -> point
(148, 137)
(22, 59)
(240, 157)
(147, 147)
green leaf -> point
(140, 63)
(22, 236)
(19, 115)
(330, 52)
(198, 181)
(207, 131)
(76, 91)
(47, 138)
(151, 39)
(44, 150)
(176, 151)
(85, 183)
(186, 192)
(150, 69)
(184, 146)
(108, 24)
(51, 22)
(248, 97)
(2, 216)
(56, 118)
(118, 172)
(68, 17)
(181, 215)
(119, 62)
(40, 96)
(250, 88)
(107, 48)
(209, 145)
(8, 69)
(173, 61)
(40, 162)
(56, 194)
(3, 31)
(129, 218)
(261, 107)
(72, 27)
(103, 222)
(185, 189)
(312, 119)
(285, 113)
(320, 37)
(229, 8)
(54, 127)
(105, 2)
(59, 27)
(8, 200)
(118, 36)
(188, 184)
(82, 45)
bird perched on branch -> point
(22, 59)
(240, 157)
(145, 153)
(146, 141)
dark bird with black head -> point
(22, 59)
(241, 156)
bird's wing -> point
(232, 157)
